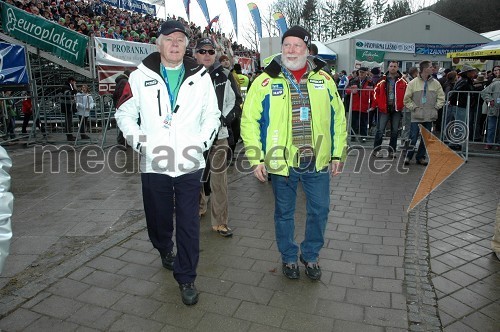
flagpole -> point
(165, 7)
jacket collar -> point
(152, 62)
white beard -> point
(296, 64)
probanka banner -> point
(43, 34)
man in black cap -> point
(293, 126)
(177, 105)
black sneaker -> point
(422, 162)
(168, 261)
(291, 270)
(313, 271)
(189, 293)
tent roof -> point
(325, 52)
(490, 51)
(493, 35)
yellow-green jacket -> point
(266, 124)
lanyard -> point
(294, 83)
(171, 93)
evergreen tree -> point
(330, 20)
(398, 9)
(310, 18)
(378, 10)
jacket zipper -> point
(159, 104)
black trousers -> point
(158, 192)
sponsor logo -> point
(150, 83)
(265, 82)
(319, 86)
(277, 89)
(311, 80)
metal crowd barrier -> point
(362, 126)
(466, 125)
(47, 124)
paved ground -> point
(81, 260)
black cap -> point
(363, 69)
(375, 71)
(172, 26)
(300, 32)
(204, 42)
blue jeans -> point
(492, 130)
(414, 135)
(316, 187)
(383, 118)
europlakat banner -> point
(43, 34)
(388, 46)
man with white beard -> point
(293, 127)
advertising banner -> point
(133, 6)
(246, 64)
(107, 76)
(114, 52)
(255, 13)
(13, 65)
(443, 49)
(370, 55)
(375, 45)
(279, 18)
(114, 56)
(48, 36)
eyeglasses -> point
(202, 51)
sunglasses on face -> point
(211, 52)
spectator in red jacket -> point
(388, 97)
(360, 89)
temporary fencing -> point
(467, 126)
(53, 121)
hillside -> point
(477, 15)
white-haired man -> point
(293, 127)
(175, 100)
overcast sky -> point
(219, 7)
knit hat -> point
(299, 32)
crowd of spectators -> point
(94, 18)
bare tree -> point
(251, 36)
(268, 23)
(291, 9)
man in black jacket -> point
(458, 100)
(68, 106)
(229, 101)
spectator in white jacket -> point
(6, 204)
(84, 103)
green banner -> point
(48, 36)
(370, 55)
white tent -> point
(324, 52)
